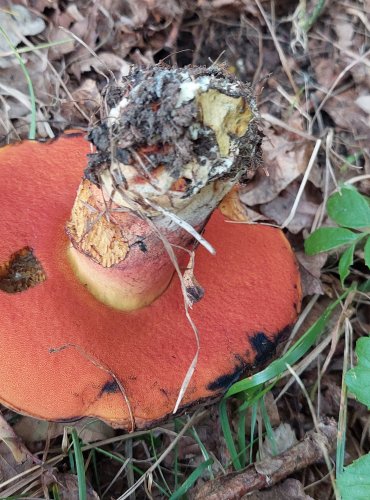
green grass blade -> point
(268, 426)
(95, 472)
(186, 485)
(365, 287)
(277, 367)
(255, 396)
(40, 46)
(228, 435)
(342, 427)
(80, 466)
(241, 436)
(203, 449)
(345, 262)
(55, 492)
(253, 429)
(71, 461)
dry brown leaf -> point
(325, 72)
(330, 396)
(32, 430)
(58, 51)
(74, 12)
(345, 32)
(68, 487)
(284, 160)
(254, 216)
(85, 26)
(285, 438)
(101, 64)
(41, 5)
(13, 80)
(310, 269)
(17, 21)
(279, 209)
(233, 5)
(9, 467)
(272, 409)
(346, 115)
(363, 102)
(232, 207)
(88, 99)
(13, 442)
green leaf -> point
(349, 208)
(345, 262)
(358, 379)
(328, 238)
(367, 252)
(354, 482)
(226, 429)
(80, 466)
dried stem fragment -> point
(272, 470)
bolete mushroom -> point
(95, 320)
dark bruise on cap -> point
(22, 271)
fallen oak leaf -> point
(286, 161)
(310, 269)
(279, 209)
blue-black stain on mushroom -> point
(223, 382)
(264, 349)
(110, 387)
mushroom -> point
(99, 304)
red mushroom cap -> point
(64, 355)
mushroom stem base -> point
(126, 290)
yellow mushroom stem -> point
(140, 199)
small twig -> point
(272, 470)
